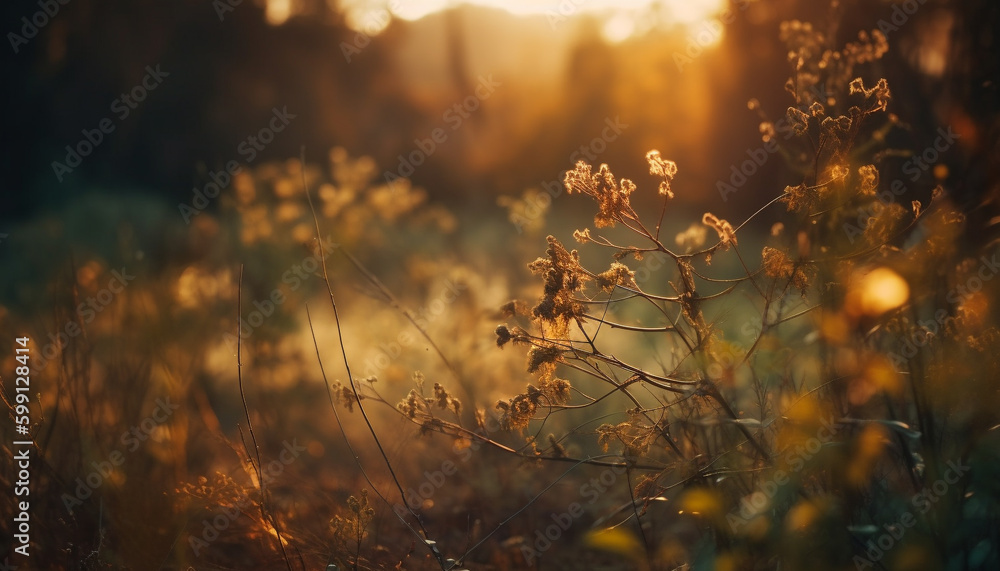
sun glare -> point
(618, 28)
(278, 11)
(623, 17)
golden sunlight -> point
(877, 292)
(624, 17)
(277, 11)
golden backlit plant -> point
(780, 370)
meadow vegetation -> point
(812, 386)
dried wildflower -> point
(833, 125)
(661, 167)
(800, 198)
(582, 236)
(816, 109)
(540, 356)
(777, 264)
(882, 95)
(516, 413)
(802, 277)
(563, 278)
(503, 335)
(799, 120)
(835, 172)
(869, 180)
(630, 251)
(617, 275)
(612, 197)
(345, 395)
(880, 92)
(361, 507)
(646, 487)
(635, 438)
(355, 525)
(444, 400)
(556, 390)
(441, 396)
(221, 490)
(882, 225)
(411, 405)
(727, 234)
(869, 47)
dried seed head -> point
(503, 335)
(725, 230)
(663, 168)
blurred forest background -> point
(363, 86)
(561, 78)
